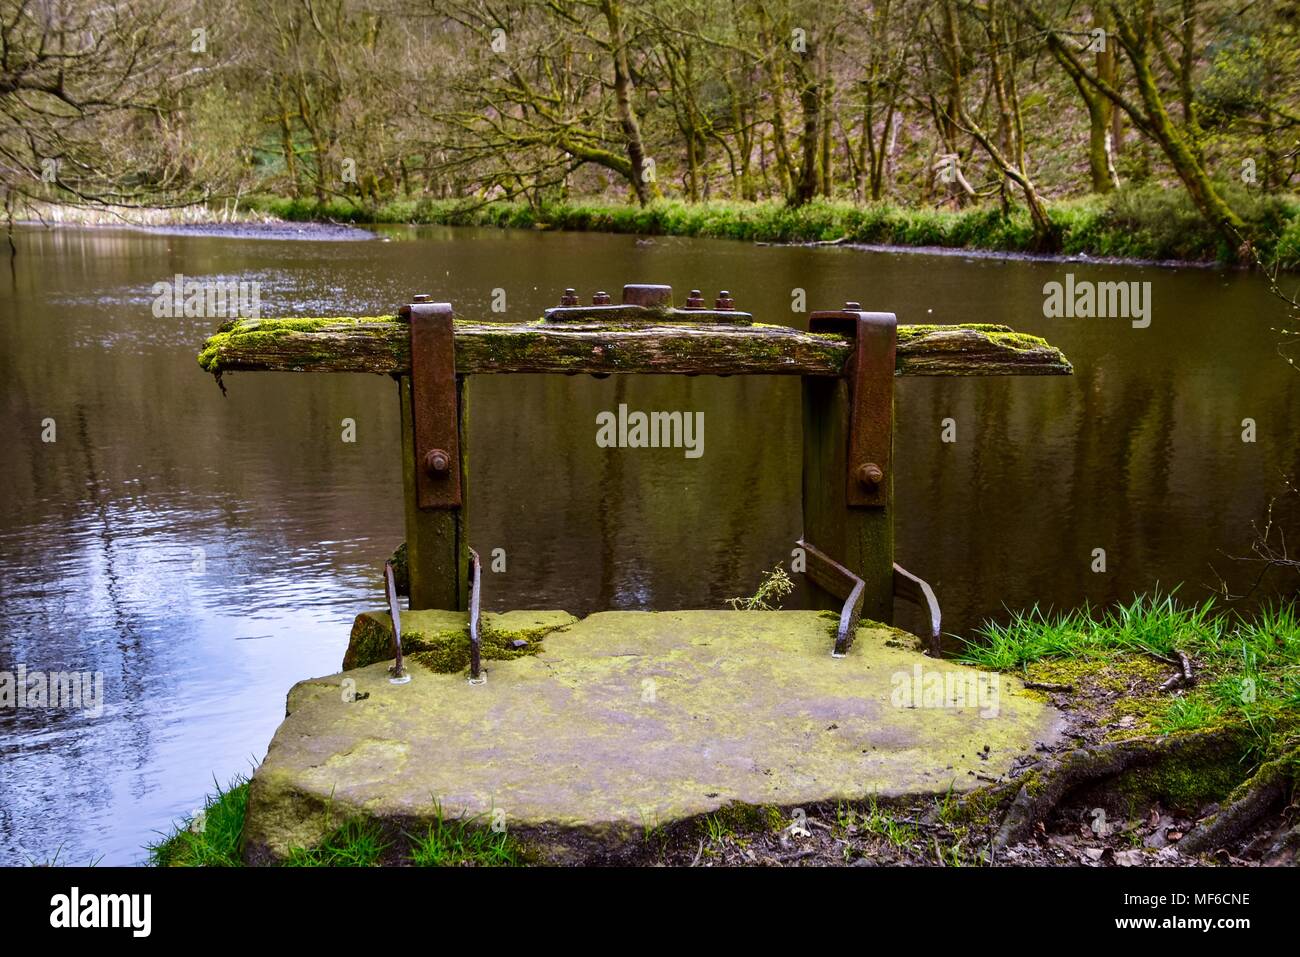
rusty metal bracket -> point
(435, 404)
(870, 373)
(476, 674)
(399, 674)
(844, 585)
(834, 578)
(918, 590)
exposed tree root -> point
(1246, 806)
(1048, 786)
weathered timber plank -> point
(381, 345)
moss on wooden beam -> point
(381, 344)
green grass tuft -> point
(459, 842)
(355, 843)
(1247, 668)
(211, 837)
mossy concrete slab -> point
(632, 720)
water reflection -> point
(205, 552)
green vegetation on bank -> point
(1247, 670)
(1138, 223)
(211, 839)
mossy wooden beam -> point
(382, 345)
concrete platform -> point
(625, 721)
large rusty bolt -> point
(570, 298)
(695, 300)
(724, 301)
(437, 463)
(600, 299)
(870, 474)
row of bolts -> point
(723, 303)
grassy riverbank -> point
(1244, 670)
(211, 839)
(1132, 224)
(1218, 756)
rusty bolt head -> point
(600, 299)
(695, 300)
(437, 463)
(870, 474)
(724, 301)
(852, 306)
(422, 297)
(570, 298)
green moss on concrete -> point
(629, 720)
(439, 640)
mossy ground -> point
(1108, 671)
(1247, 669)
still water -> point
(204, 553)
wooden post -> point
(861, 539)
(437, 541)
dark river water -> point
(204, 553)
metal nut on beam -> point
(437, 462)
(870, 474)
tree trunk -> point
(645, 191)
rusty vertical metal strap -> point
(871, 399)
(435, 407)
